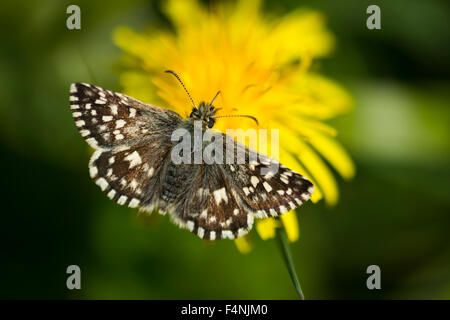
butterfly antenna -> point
(215, 97)
(238, 116)
(173, 72)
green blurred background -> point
(395, 213)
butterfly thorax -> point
(205, 112)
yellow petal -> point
(136, 85)
(244, 244)
(315, 165)
(331, 150)
(301, 122)
(290, 223)
(184, 12)
(266, 228)
(319, 97)
(308, 28)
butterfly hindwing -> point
(210, 208)
(130, 175)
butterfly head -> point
(205, 112)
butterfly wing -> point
(223, 199)
(132, 139)
(209, 207)
(266, 187)
(107, 119)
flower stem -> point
(284, 244)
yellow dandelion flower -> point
(261, 64)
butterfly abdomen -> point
(174, 183)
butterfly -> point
(132, 164)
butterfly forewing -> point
(132, 139)
(106, 119)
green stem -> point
(284, 244)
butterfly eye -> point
(211, 122)
(192, 114)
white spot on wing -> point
(113, 108)
(102, 183)
(241, 232)
(250, 219)
(80, 123)
(133, 184)
(133, 203)
(92, 142)
(220, 195)
(95, 155)
(134, 159)
(284, 179)
(111, 194)
(267, 186)
(201, 232)
(93, 171)
(227, 234)
(120, 123)
(254, 180)
(122, 200)
(190, 225)
(305, 196)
